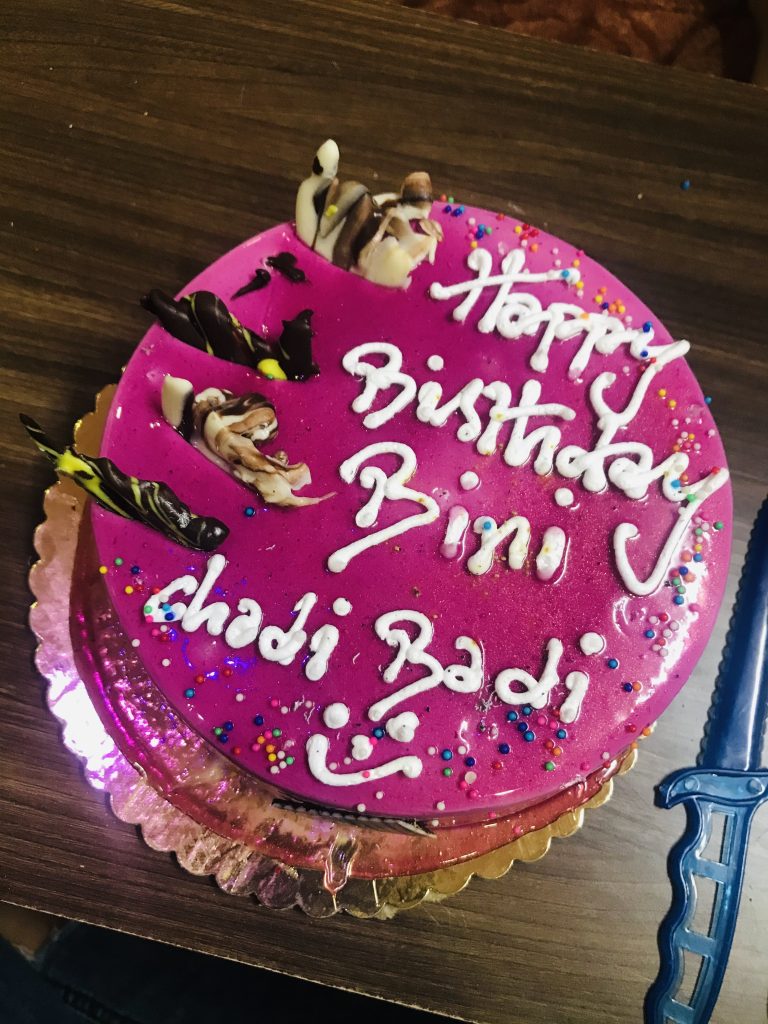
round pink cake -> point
(521, 550)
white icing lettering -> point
(453, 542)
(492, 535)
(393, 488)
(632, 477)
(409, 650)
(536, 692)
(459, 678)
(244, 628)
(379, 378)
(628, 531)
(317, 753)
(576, 683)
(322, 644)
(632, 468)
(214, 615)
(274, 644)
(152, 607)
(551, 553)
(520, 445)
(466, 678)
(430, 411)
(279, 645)
(517, 314)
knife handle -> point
(736, 795)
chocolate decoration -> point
(203, 320)
(260, 279)
(178, 402)
(240, 406)
(230, 430)
(285, 263)
(174, 314)
(321, 198)
(355, 230)
(223, 334)
(147, 501)
(341, 199)
(295, 347)
(417, 188)
(186, 424)
(364, 236)
(360, 216)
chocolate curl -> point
(294, 349)
(147, 501)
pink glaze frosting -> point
(474, 760)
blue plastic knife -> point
(727, 781)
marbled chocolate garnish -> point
(230, 430)
(148, 501)
(372, 235)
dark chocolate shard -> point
(147, 501)
(295, 347)
(203, 320)
(285, 264)
(175, 315)
(223, 334)
(260, 279)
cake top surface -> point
(521, 548)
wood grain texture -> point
(138, 141)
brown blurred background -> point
(717, 37)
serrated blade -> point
(733, 735)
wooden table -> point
(141, 139)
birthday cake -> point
(409, 509)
